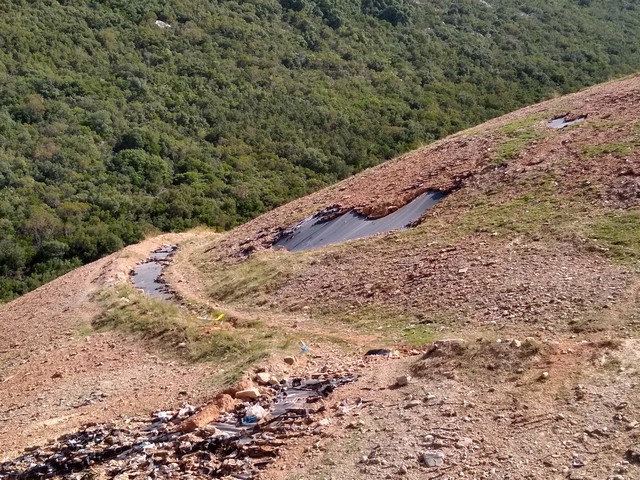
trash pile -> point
(173, 443)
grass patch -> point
(621, 148)
(620, 233)
(518, 135)
(594, 322)
(479, 358)
(615, 148)
(257, 276)
(84, 330)
(540, 214)
(393, 327)
(169, 328)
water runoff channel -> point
(257, 424)
(148, 275)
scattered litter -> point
(254, 414)
(240, 444)
(161, 24)
(164, 416)
(345, 406)
(185, 411)
(304, 348)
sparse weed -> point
(170, 328)
(620, 233)
(84, 330)
(393, 326)
(518, 136)
(257, 276)
(616, 148)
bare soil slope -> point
(58, 373)
(540, 229)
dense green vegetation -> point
(111, 126)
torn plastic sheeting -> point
(316, 231)
(562, 122)
(231, 449)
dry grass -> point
(166, 327)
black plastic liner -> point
(317, 231)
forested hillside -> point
(113, 125)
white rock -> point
(263, 378)
(432, 458)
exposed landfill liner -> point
(562, 122)
(316, 232)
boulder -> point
(209, 413)
(248, 394)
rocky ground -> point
(58, 372)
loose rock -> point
(464, 442)
(248, 394)
(263, 378)
(432, 458)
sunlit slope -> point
(541, 227)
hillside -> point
(513, 304)
(113, 125)
(523, 197)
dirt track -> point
(57, 374)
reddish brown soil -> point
(464, 161)
(58, 374)
(460, 267)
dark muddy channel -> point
(318, 231)
(148, 275)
